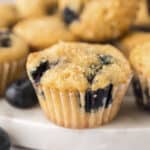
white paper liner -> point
(63, 108)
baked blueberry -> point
(5, 40)
(21, 94)
(5, 143)
(69, 15)
(96, 99)
(106, 59)
(39, 71)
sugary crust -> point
(17, 50)
(43, 32)
(8, 15)
(134, 39)
(74, 61)
(100, 20)
(139, 58)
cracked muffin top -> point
(139, 58)
(43, 32)
(12, 47)
(78, 66)
(98, 20)
(134, 39)
(8, 15)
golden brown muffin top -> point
(43, 32)
(98, 20)
(134, 39)
(140, 59)
(143, 15)
(8, 15)
(12, 47)
(78, 66)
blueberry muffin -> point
(8, 15)
(79, 85)
(43, 32)
(98, 20)
(139, 58)
(13, 52)
(133, 39)
(30, 8)
(143, 15)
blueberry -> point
(39, 71)
(106, 59)
(99, 98)
(21, 94)
(69, 15)
(5, 143)
(5, 40)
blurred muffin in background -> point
(43, 32)
(143, 15)
(34, 8)
(8, 15)
(140, 61)
(133, 39)
(98, 20)
(13, 53)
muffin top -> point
(134, 39)
(12, 47)
(139, 58)
(98, 20)
(78, 66)
(143, 15)
(43, 32)
(8, 15)
(35, 8)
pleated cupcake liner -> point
(141, 89)
(64, 108)
(10, 71)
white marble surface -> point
(30, 128)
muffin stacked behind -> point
(133, 39)
(140, 60)
(79, 85)
(98, 20)
(13, 53)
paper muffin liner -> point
(9, 71)
(141, 89)
(67, 108)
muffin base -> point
(63, 108)
(141, 89)
(10, 71)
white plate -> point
(30, 128)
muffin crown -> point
(78, 66)
(12, 47)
